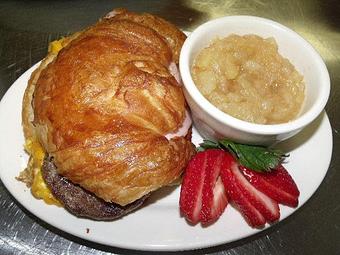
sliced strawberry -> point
(277, 184)
(265, 205)
(202, 195)
(249, 212)
(214, 198)
(190, 202)
(255, 206)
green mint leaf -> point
(207, 144)
(257, 158)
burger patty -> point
(79, 201)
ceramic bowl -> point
(212, 123)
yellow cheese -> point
(39, 188)
(56, 46)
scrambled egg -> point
(39, 188)
(56, 46)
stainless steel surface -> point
(26, 28)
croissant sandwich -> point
(104, 116)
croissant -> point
(109, 108)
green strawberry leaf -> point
(257, 158)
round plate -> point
(157, 225)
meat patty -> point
(80, 202)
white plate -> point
(158, 225)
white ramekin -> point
(212, 123)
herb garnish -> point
(257, 158)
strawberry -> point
(190, 202)
(249, 212)
(214, 174)
(255, 206)
(202, 195)
(214, 198)
(277, 184)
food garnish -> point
(257, 158)
(256, 207)
(203, 197)
(217, 174)
(278, 185)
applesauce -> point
(246, 77)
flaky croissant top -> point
(101, 107)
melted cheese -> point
(39, 188)
(56, 46)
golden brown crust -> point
(27, 109)
(128, 165)
(171, 33)
(103, 106)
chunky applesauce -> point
(246, 77)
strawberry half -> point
(203, 197)
(214, 198)
(256, 207)
(190, 202)
(277, 184)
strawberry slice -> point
(214, 198)
(256, 207)
(213, 175)
(202, 195)
(249, 212)
(190, 202)
(277, 184)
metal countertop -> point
(26, 28)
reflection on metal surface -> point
(26, 27)
(312, 19)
